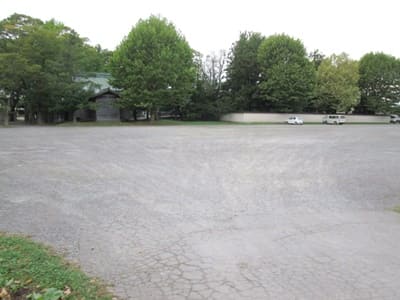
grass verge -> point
(397, 209)
(145, 123)
(167, 123)
(27, 267)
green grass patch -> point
(166, 123)
(397, 209)
(27, 267)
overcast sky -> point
(354, 27)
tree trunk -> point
(31, 118)
(135, 115)
(154, 114)
(6, 116)
(5, 112)
(28, 117)
(40, 118)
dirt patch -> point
(21, 294)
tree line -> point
(155, 69)
(38, 63)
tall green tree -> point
(337, 84)
(47, 56)
(206, 100)
(56, 49)
(15, 70)
(243, 73)
(379, 83)
(154, 66)
(14, 73)
(287, 75)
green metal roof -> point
(99, 80)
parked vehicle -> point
(295, 121)
(395, 119)
(334, 119)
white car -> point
(295, 121)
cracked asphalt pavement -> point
(213, 212)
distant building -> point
(105, 100)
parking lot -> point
(213, 212)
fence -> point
(307, 118)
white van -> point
(334, 119)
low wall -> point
(311, 118)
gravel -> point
(213, 212)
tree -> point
(337, 84)
(95, 59)
(154, 67)
(14, 71)
(379, 83)
(287, 75)
(56, 49)
(14, 68)
(205, 101)
(47, 56)
(243, 73)
(316, 58)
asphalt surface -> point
(219, 212)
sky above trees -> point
(336, 26)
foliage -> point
(95, 59)
(316, 58)
(206, 99)
(11, 285)
(38, 62)
(35, 266)
(379, 83)
(14, 70)
(287, 75)
(243, 73)
(48, 294)
(153, 66)
(13, 28)
(337, 85)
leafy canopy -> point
(243, 72)
(337, 84)
(287, 75)
(153, 66)
(38, 63)
(379, 83)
